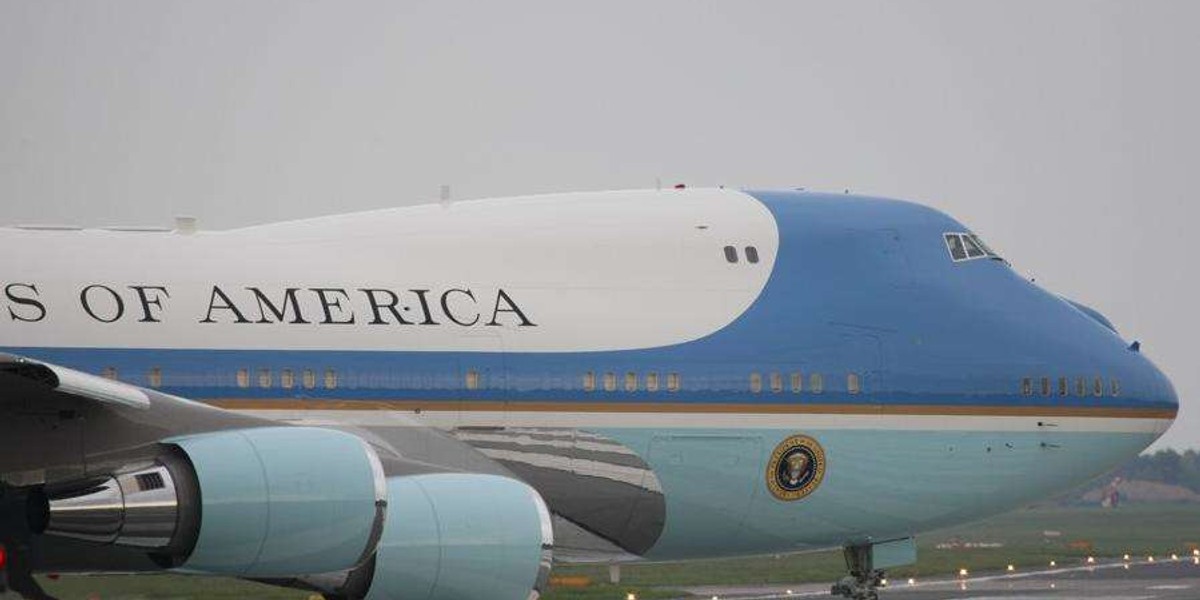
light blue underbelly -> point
(878, 484)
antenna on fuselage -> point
(444, 195)
(185, 225)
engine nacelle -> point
(451, 536)
(256, 503)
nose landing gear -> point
(866, 561)
(864, 580)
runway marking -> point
(966, 583)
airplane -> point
(443, 401)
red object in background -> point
(3, 557)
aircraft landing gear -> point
(864, 579)
(14, 537)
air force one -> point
(438, 402)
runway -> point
(1163, 580)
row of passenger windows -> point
(816, 382)
(263, 378)
(650, 382)
(1081, 386)
(731, 254)
(630, 382)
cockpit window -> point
(967, 246)
(984, 247)
(954, 243)
(973, 249)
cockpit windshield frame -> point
(964, 246)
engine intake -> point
(451, 536)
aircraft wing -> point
(72, 382)
(100, 475)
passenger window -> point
(755, 383)
(797, 382)
(973, 249)
(610, 382)
(1045, 386)
(751, 254)
(287, 379)
(1080, 387)
(1098, 387)
(816, 383)
(310, 379)
(1026, 387)
(589, 381)
(264, 378)
(243, 378)
(155, 377)
(631, 382)
(109, 373)
(955, 245)
(651, 382)
(1116, 387)
(331, 379)
(1062, 386)
(731, 254)
(673, 382)
(853, 384)
(776, 383)
(472, 379)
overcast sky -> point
(1064, 132)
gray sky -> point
(1064, 132)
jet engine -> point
(452, 536)
(264, 502)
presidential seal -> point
(796, 468)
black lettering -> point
(280, 312)
(328, 304)
(450, 314)
(377, 306)
(226, 304)
(147, 300)
(31, 302)
(118, 304)
(425, 307)
(501, 296)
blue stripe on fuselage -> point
(860, 285)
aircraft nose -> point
(1149, 390)
(1161, 391)
(1146, 387)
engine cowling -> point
(261, 503)
(453, 536)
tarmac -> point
(1114, 580)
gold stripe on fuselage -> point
(697, 408)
